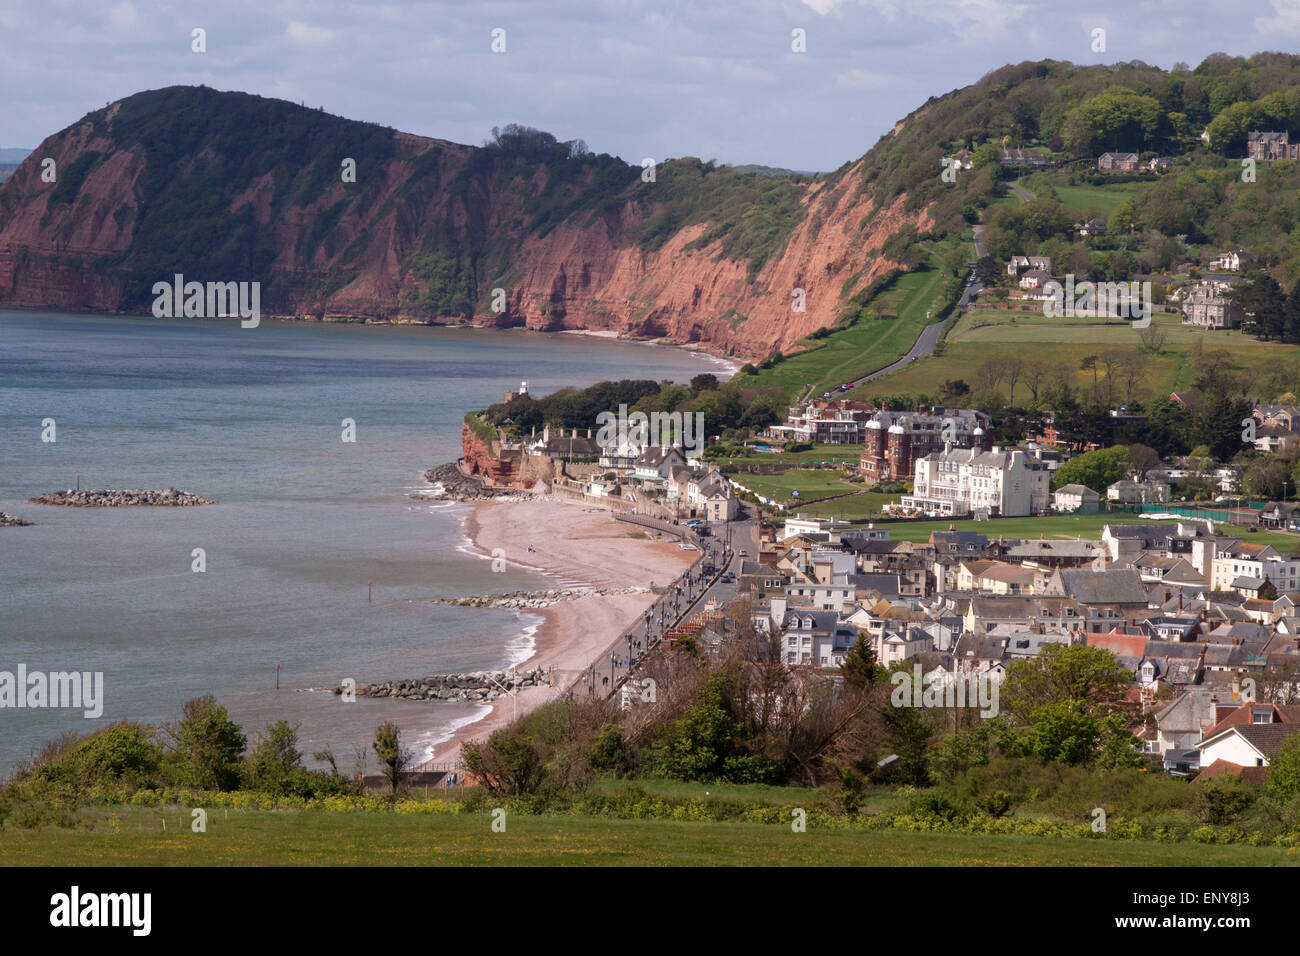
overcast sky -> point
(716, 79)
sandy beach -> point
(577, 547)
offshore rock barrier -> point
(12, 521)
(482, 686)
(166, 498)
(535, 599)
(451, 484)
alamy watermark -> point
(213, 300)
(683, 430)
(1122, 300)
(941, 689)
(74, 690)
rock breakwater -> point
(481, 686)
(535, 599)
(164, 498)
(451, 484)
(12, 521)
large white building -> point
(1006, 482)
(1238, 564)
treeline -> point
(730, 409)
(742, 714)
(1024, 395)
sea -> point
(318, 564)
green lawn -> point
(1084, 199)
(811, 483)
(1061, 526)
(134, 837)
(978, 335)
(866, 346)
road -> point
(678, 601)
(1024, 194)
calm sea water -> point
(252, 418)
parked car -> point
(743, 553)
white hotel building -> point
(959, 481)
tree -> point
(1143, 458)
(987, 271)
(1284, 771)
(704, 383)
(508, 764)
(1153, 338)
(394, 758)
(1097, 470)
(860, 668)
(1063, 731)
(1062, 674)
(1089, 364)
(208, 745)
(1280, 681)
(275, 757)
(908, 731)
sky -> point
(717, 79)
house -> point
(1093, 227)
(1234, 260)
(895, 440)
(1016, 263)
(963, 159)
(995, 577)
(1248, 736)
(1129, 492)
(1024, 157)
(1120, 588)
(1271, 146)
(656, 463)
(1003, 481)
(1160, 164)
(1209, 306)
(814, 638)
(802, 524)
(824, 421)
(1078, 499)
(558, 446)
(1118, 162)
(1243, 567)
(1034, 280)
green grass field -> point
(1083, 199)
(1063, 526)
(812, 484)
(978, 335)
(134, 837)
(866, 346)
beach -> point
(577, 547)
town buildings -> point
(895, 441)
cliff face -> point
(158, 184)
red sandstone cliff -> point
(325, 247)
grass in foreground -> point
(319, 838)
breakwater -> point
(535, 599)
(450, 483)
(482, 686)
(165, 498)
(12, 521)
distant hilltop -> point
(340, 219)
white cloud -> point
(1285, 19)
(308, 35)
